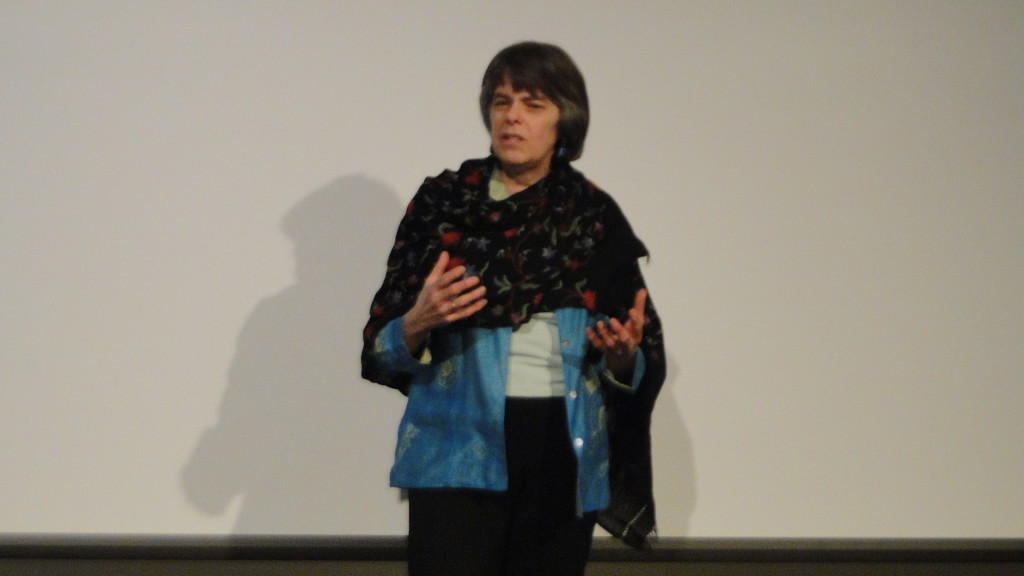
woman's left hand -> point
(618, 341)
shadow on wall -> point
(301, 437)
(675, 477)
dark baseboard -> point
(208, 554)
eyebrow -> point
(530, 95)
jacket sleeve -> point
(391, 353)
(396, 295)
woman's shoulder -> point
(451, 186)
(585, 187)
(472, 171)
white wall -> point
(196, 200)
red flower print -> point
(455, 262)
(449, 238)
(537, 298)
(590, 300)
(474, 178)
(510, 232)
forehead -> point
(508, 88)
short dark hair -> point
(534, 66)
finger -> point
(615, 327)
(605, 337)
(640, 301)
(438, 270)
(624, 333)
(459, 308)
(462, 287)
(464, 299)
(636, 313)
(612, 338)
(470, 309)
(452, 276)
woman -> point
(514, 316)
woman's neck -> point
(517, 180)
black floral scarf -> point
(562, 242)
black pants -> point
(530, 530)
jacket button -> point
(565, 343)
(578, 442)
(573, 394)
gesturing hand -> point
(446, 296)
(618, 341)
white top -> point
(535, 363)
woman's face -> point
(524, 129)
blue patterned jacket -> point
(452, 432)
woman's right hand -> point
(446, 297)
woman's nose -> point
(514, 113)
